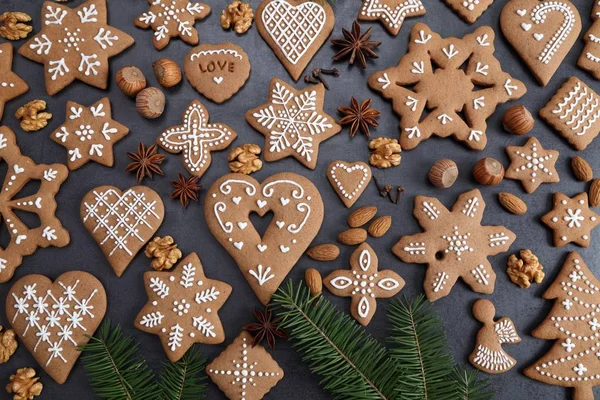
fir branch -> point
(114, 368)
(184, 379)
(471, 387)
(352, 365)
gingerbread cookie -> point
(75, 43)
(571, 220)
(542, 33)
(469, 10)
(295, 30)
(89, 134)
(364, 283)
(391, 13)
(293, 122)
(590, 56)
(11, 86)
(446, 87)
(172, 18)
(53, 318)
(349, 180)
(532, 164)
(243, 371)
(217, 71)
(121, 222)
(196, 138)
(49, 231)
(297, 216)
(454, 244)
(182, 307)
(488, 354)
(574, 111)
(573, 322)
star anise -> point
(359, 116)
(266, 327)
(357, 45)
(186, 189)
(145, 162)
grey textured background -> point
(126, 294)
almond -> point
(594, 193)
(512, 203)
(313, 281)
(380, 226)
(352, 236)
(361, 216)
(324, 252)
(581, 169)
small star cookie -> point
(11, 86)
(571, 220)
(532, 165)
(391, 13)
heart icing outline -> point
(348, 194)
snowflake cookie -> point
(75, 43)
(11, 86)
(571, 220)
(21, 170)
(446, 87)
(121, 222)
(172, 18)
(89, 134)
(532, 164)
(183, 306)
(391, 13)
(454, 244)
(53, 318)
(364, 283)
(243, 371)
(196, 138)
(293, 122)
(590, 56)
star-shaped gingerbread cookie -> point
(11, 85)
(196, 138)
(391, 13)
(75, 43)
(293, 122)
(454, 244)
(182, 307)
(89, 134)
(532, 165)
(172, 18)
(571, 220)
(364, 283)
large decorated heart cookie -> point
(295, 30)
(349, 180)
(542, 32)
(297, 210)
(53, 318)
(121, 222)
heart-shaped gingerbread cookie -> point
(217, 71)
(297, 210)
(121, 222)
(542, 32)
(52, 318)
(349, 180)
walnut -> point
(239, 15)
(164, 253)
(24, 384)
(31, 118)
(385, 152)
(244, 159)
(525, 270)
(13, 26)
(8, 344)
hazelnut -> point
(518, 120)
(443, 173)
(488, 171)
(167, 72)
(150, 103)
(130, 80)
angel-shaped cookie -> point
(488, 355)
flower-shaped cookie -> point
(532, 164)
(434, 95)
(571, 220)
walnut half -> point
(13, 25)
(525, 270)
(31, 116)
(237, 15)
(24, 384)
(244, 159)
(164, 253)
(8, 344)
(385, 152)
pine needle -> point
(352, 365)
(184, 379)
(471, 387)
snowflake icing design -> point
(431, 92)
(454, 244)
(571, 220)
